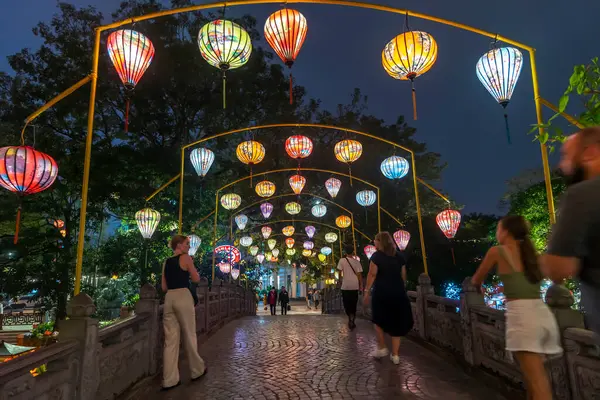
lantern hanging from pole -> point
(319, 210)
(231, 201)
(131, 54)
(326, 250)
(288, 230)
(225, 267)
(297, 183)
(250, 153)
(202, 159)
(394, 167)
(331, 237)
(408, 56)
(195, 242)
(246, 241)
(241, 220)
(306, 253)
(275, 252)
(235, 273)
(343, 221)
(268, 255)
(322, 257)
(265, 189)
(266, 231)
(272, 243)
(298, 146)
(448, 221)
(260, 258)
(348, 151)
(224, 45)
(333, 186)
(266, 209)
(289, 242)
(58, 223)
(147, 220)
(369, 250)
(285, 31)
(290, 252)
(366, 198)
(293, 208)
(402, 238)
(24, 171)
(253, 250)
(499, 70)
(310, 231)
(308, 245)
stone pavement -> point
(316, 357)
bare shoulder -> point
(184, 260)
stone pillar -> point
(424, 289)
(148, 304)
(294, 283)
(82, 327)
(469, 297)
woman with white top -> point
(351, 284)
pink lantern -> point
(266, 209)
(448, 221)
(370, 250)
(310, 231)
(401, 238)
(333, 186)
(266, 231)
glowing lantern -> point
(265, 189)
(235, 273)
(322, 257)
(326, 250)
(246, 241)
(202, 159)
(366, 198)
(225, 267)
(266, 209)
(285, 31)
(333, 186)
(63, 232)
(224, 45)
(343, 221)
(310, 231)
(268, 255)
(195, 242)
(288, 230)
(275, 252)
(292, 208)
(499, 70)
(331, 237)
(24, 170)
(289, 242)
(266, 231)
(272, 243)
(297, 183)
(147, 220)
(306, 253)
(401, 238)
(370, 250)
(290, 252)
(408, 56)
(58, 223)
(308, 245)
(298, 146)
(131, 54)
(348, 151)
(319, 210)
(241, 220)
(254, 250)
(260, 258)
(448, 221)
(250, 152)
(394, 167)
(231, 201)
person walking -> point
(309, 297)
(272, 300)
(351, 284)
(284, 300)
(179, 320)
(574, 245)
(316, 299)
(391, 310)
(531, 330)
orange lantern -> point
(298, 146)
(297, 183)
(343, 221)
(250, 153)
(265, 189)
(289, 242)
(348, 151)
(288, 230)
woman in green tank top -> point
(531, 330)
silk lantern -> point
(250, 153)
(266, 209)
(366, 198)
(260, 258)
(322, 257)
(265, 189)
(333, 186)
(272, 243)
(275, 252)
(288, 230)
(308, 245)
(331, 237)
(290, 252)
(268, 255)
(297, 183)
(246, 241)
(298, 146)
(147, 220)
(195, 242)
(348, 151)
(306, 253)
(310, 231)
(241, 220)
(202, 159)
(326, 250)
(231, 201)
(293, 208)
(225, 267)
(394, 167)
(235, 273)
(343, 221)
(319, 210)
(289, 242)
(266, 231)
(448, 221)
(369, 250)
(402, 238)
(253, 250)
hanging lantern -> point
(147, 220)
(366, 198)
(224, 267)
(253, 250)
(306, 253)
(297, 183)
(298, 146)
(343, 221)
(266, 209)
(63, 232)
(290, 252)
(224, 45)
(285, 31)
(293, 208)
(195, 242)
(333, 186)
(24, 171)
(310, 231)
(131, 54)
(348, 151)
(499, 70)
(260, 258)
(288, 230)
(246, 241)
(408, 56)
(58, 223)
(326, 250)
(401, 238)
(319, 210)
(308, 245)
(272, 243)
(265, 189)
(394, 167)
(322, 257)
(202, 159)
(266, 231)
(250, 153)
(448, 221)
(370, 250)
(289, 242)
(275, 252)
(231, 201)
(274, 259)
(235, 273)
(268, 255)
(331, 237)
(241, 220)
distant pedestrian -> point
(309, 298)
(284, 300)
(351, 284)
(272, 300)
(179, 318)
(317, 298)
(391, 309)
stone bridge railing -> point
(89, 363)
(474, 333)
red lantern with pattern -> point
(298, 146)
(297, 183)
(449, 221)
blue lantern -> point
(194, 244)
(319, 210)
(366, 198)
(202, 160)
(394, 167)
(326, 250)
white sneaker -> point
(395, 359)
(380, 353)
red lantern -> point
(298, 146)
(448, 221)
(24, 170)
(297, 183)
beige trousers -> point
(179, 319)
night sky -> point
(457, 116)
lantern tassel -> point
(414, 100)
(291, 89)
(224, 89)
(17, 225)
(350, 173)
(452, 251)
(507, 128)
(127, 104)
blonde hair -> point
(386, 242)
(176, 240)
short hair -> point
(176, 240)
(349, 249)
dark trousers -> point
(284, 308)
(273, 308)
(350, 298)
(316, 303)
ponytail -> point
(529, 258)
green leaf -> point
(543, 137)
(563, 102)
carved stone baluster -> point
(424, 289)
(149, 304)
(469, 297)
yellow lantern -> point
(306, 253)
(289, 242)
(293, 208)
(408, 56)
(343, 221)
(322, 257)
(331, 237)
(288, 230)
(272, 243)
(250, 152)
(348, 151)
(290, 252)
(231, 201)
(265, 189)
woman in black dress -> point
(392, 313)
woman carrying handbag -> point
(351, 284)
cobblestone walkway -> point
(316, 357)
